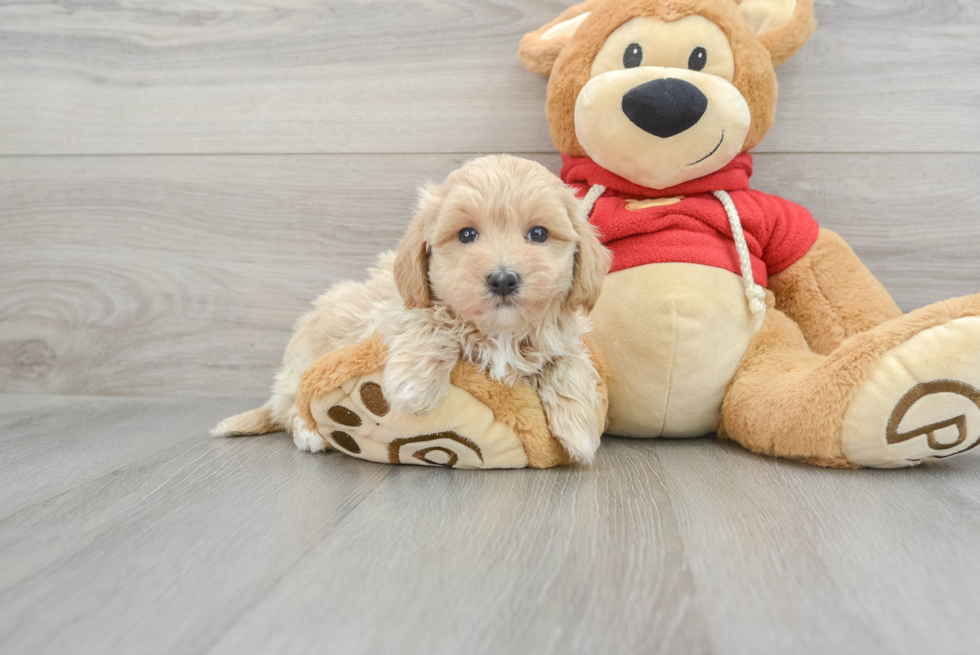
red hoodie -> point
(690, 225)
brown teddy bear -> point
(655, 105)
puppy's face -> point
(499, 256)
(503, 241)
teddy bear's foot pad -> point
(462, 433)
(921, 402)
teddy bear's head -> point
(661, 92)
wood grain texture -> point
(123, 528)
(248, 545)
(50, 445)
(162, 553)
(912, 219)
(195, 252)
(791, 558)
(205, 545)
(555, 561)
(419, 76)
(184, 275)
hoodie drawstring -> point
(755, 294)
(588, 202)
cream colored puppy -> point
(499, 266)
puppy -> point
(499, 266)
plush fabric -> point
(754, 74)
(480, 423)
(788, 401)
(934, 417)
(831, 295)
(670, 116)
(695, 228)
(832, 373)
(784, 40)
(674, 336)
(539, 54)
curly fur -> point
(430, 304)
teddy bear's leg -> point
(831, 295)
(900, 393)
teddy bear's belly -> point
(673, 336)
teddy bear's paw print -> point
(945, 412)
(345, 442)
(921, 402)
(350, 426)
(373, 399)
(447, 449)
(359, 422)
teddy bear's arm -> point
(831, 295)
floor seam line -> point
(299, 559)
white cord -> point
(588, 202)
(755, 293)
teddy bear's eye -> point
(633, 56)
(698, 60)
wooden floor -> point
(179, 179)
(125, 529)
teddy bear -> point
(729, 310)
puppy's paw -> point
(581, 450)
(307, 440)
(408, 396)
(576, 427)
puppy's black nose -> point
(503, 283)
(666, 107)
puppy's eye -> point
(468, 235)
(538, 234)
(698, 60)
(633, 56)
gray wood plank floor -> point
(179, 180)
(115, 543)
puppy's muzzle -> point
(666, 107)
(503, 283)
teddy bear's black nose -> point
(665, 107)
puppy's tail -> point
(254, 421)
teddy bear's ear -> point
(783, 26)
(540, 49)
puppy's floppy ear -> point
(783, 26)
(411, 268)
(592, 262)
(539, 49)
